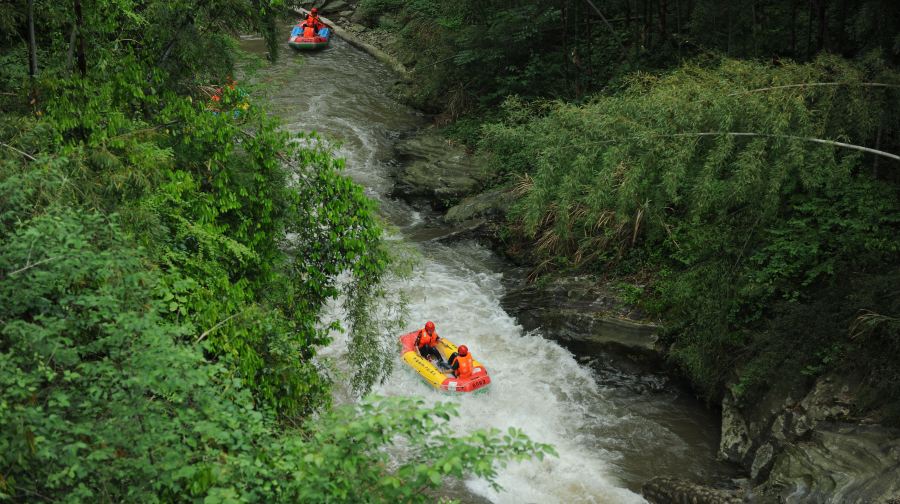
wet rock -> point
(358, 17)
(801, 444)
(762, 461)
(676, 491)
(492, 203)
(735, 442)
(839, 463)
(330, 6)
(830, 399)
(580, 309)
(474, 229)
(436, 171)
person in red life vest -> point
(426, 341)
(461, 362)
(312, 24)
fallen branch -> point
(805, 139)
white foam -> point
(537, 385)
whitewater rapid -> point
(537, 385)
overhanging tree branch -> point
(823, 141)
(812, 84)
(792, 137)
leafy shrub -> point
(709, 176)
(100, 401)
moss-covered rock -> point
(580, 308)
(436, 171)
(491, 204)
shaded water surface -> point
(614, 424)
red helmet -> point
(463, 350)
(429, 327)
(314, 11)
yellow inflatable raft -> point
(442, 380)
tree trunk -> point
(794, 28)
(32, 43)
(809, 29)
(565, 41)
(70, 54)
(823, 10)
(753, 24)
(663, 8)
(678, 18)
(730, 27)
(79, 23)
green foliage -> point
(373, 311)
(734, 227)
(207, 187)
(387, 451)
(165, 264)
(469, 54)
(100, 401)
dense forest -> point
(734, 164)
(165, 255)
(167, 250)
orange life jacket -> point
(309, 31)
(465, 366)
(426, 339)
(314, 22)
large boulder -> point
(436, 171)
(330, 6)
(802, 443)
(736, 441)
(490, 204)
(838, 463)
(359, 17)
(579, 308)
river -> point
(614, 424)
